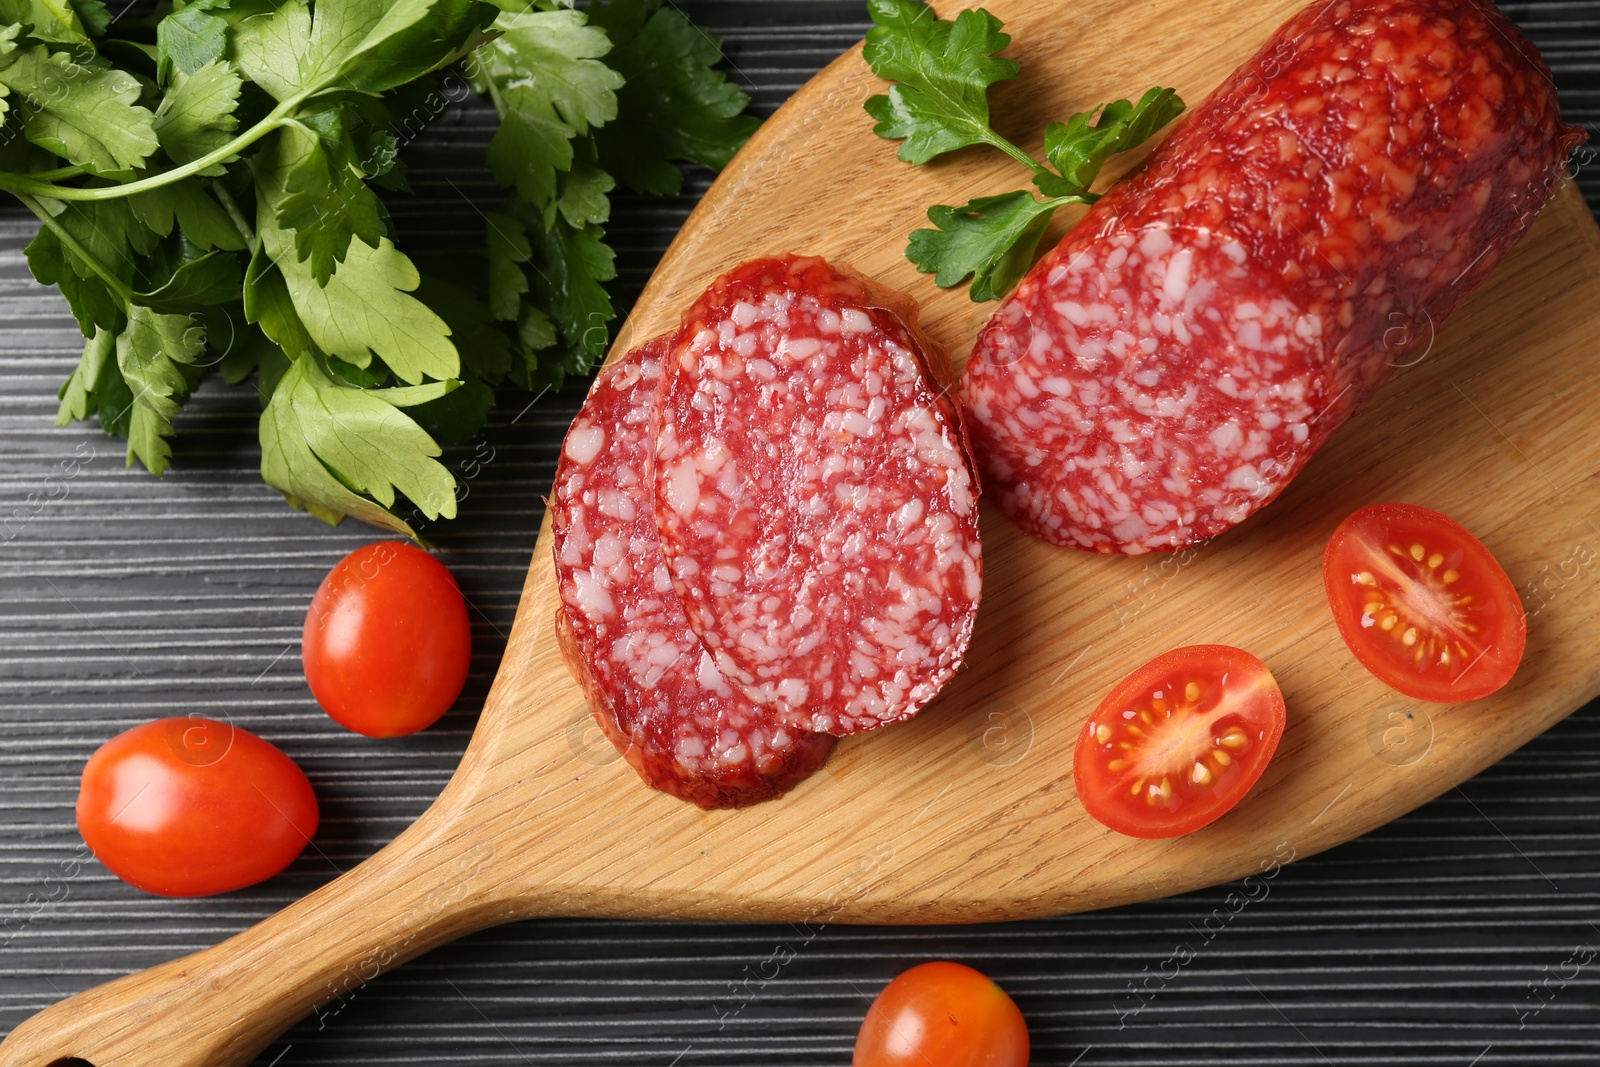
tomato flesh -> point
(1179, 741)
(1423, 604)
(190, 807)
(387, 643)
(942, 1014)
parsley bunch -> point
(207, 182)
(943, 71)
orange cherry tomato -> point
(1423, 604)
(386, 644)
(1179, 742)
(942, 1015)
(191, 807)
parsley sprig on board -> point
(939, 103)
(207, 185)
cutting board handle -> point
(222, 1006)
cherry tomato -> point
(191, 807)
(1179, 741)
(386, 643)
(1422, 604)
(942, 1015)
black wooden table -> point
(1463, 934)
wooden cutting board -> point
(968, 813)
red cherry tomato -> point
(1422, 604)
(192, 807)
(942, 1015)
(1179, 742)
(386, 643)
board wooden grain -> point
(968, 813)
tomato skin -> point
(1381, 595)
(942, 1014)
(1154, 761)
(386, 643)
(191, 807)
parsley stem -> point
(56, 174)
(27, 185)
(231, 206)
(115, 284)
(992, 138)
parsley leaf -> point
(93, 15)
(362, 45)
(57, 21)
(323, 443)
(93, 302)
(993, 239)
(187, 40)
(209, 280)
(944, 70)
(374, 45)
(271, 50)
(267, 304)
(187, 203)
(507, 245)
(312, 178)
(572, 263)
(546, 79)
(366, 308)
(1078, 148)
(674, 105)
(369, 377)
(8, 45)
(196, 117)
(149, 354)
(537, 334)
(583, 193)
(96, 387)
(87, 116)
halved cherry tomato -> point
(1422, 604)
(1179, 742)
(190, 807)
(942, 1015)
(386, 643)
